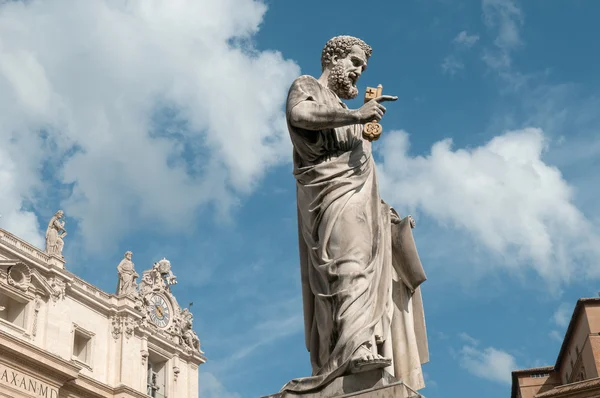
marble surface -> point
(376, 383)
(361, 309)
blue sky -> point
(158, 128)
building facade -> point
(576, 373)
(62, 337)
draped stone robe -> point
(126, 283)
(350, 289)
(54, 242)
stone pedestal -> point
(374, 384)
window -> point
(82, 346)
(156, 377)
(12, 311)
(540, 375)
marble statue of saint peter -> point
(359, 315)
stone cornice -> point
(91, 388)
(78, 289)
(27, 354)
(123, 389)
(586, 388)
(528, 371)
(22, 248)
(95, 389)
(167, 348)
(16, 292)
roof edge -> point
(571, 328)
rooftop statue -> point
(55, 233)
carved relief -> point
(129, 327)
(143, 321)
(189, 337)
(163, 267)
(116, 327)
(159, 278)
(36, 310)
(59, 288)
(19, 276)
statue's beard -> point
(339, 82)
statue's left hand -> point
(412, 221)
(394, 217)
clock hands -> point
(159, 310)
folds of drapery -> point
(359, 272)
(374, 299)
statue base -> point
(372, 384)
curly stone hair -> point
(341, 46)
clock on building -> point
(159, 311)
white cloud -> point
(85, 92)
(211, 387)
(489, 363)
(267, 332)
(555, 335)
(562, 315)
(466, 40)
(451, 65)
(468, 339)
(429, 382)
(502, 193)
(14, 218)
(277, 325)
(506, 18)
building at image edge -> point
(62, 337)
(576, 373)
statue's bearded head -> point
(346, 58)
(128, 255)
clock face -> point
(159, 311)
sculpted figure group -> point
(157, 279)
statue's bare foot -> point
(364, 360)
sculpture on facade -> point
(55, 233)
(362, 306)
(156, 282)
(163, 270)
(188, 336)
(127, 275)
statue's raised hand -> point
(373, 110)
